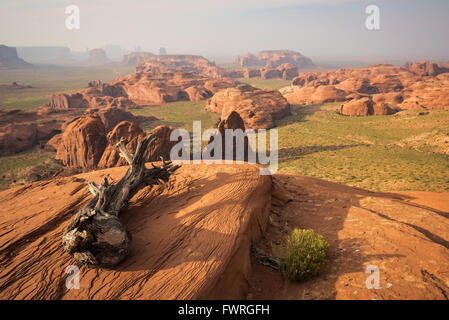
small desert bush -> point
(303, 255)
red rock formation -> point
(232, 122)
(269, 73)
(17, 137)
(414, 88)
(196, 211)
(232, 73)
(197, 93)
(21, 130)
(129, 91)
(136, 58)
(251, 73)
(82, 143)
(112, 116)
(111, 155)
(365, 107)
(430, 94)
(53, 143)
(179, 63)
(92, 97)
(288, 71)
(274, 58)
(149, 89)
(394, 98)
(315, 95)
(385, 78)
(426, 68)
(63, 101)
(162, 146)
(258, 108)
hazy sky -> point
(316, 28)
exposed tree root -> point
(96, 236)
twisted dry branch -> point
(96, 236)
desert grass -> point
(48, 80)
(27, 166)
(406, 151)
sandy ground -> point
(404, 235)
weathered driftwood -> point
(96, 236)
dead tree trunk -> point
(96, 236)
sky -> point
(320, 29)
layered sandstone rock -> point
(17, 137)
(258, 108)
(162, 146)
(150, 89)
(385, 78)
(284, 71)
(136, 58)
(365, 107)
(288, 71)
(132, 133)
(158, 79)
(130, 91)
(270, 73)
(112, 116)
(418, 86)
(179, 63)
(10, 60)
(251, 73)
(21, 130)
(111, 155)
(53, 143)
(232, 73)
(315, 95)
(275, 58)
(403, 234)
(82, 142)
(433, 93)
(426, 68)
(232, 122)
(191, 239)
(92, 98)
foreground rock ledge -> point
(191, 238)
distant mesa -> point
(275, 58)
(426, 68)
(179, 63)
(274, 64)
(257, 107)
(98, 57)
(46, 55)
(136, 58)
(10, 60)
(15, 86)
(114, 52)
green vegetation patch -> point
(303, 255)
(48, 80)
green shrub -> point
(303, 255)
